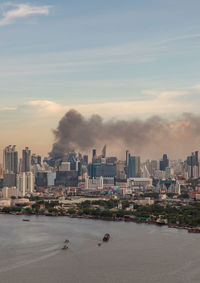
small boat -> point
(65, 247)
(106, 237)
(193, 230)
(26, 220)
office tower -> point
(10, 159)
(21, 184)
(154, 165)
(164, 163)
(36, 159)
(9, 180)
(85, 159)
(134, 167)
(26, 160)
(101, 170)
(127, 157)
(45, 179)
(94, 152)
(120, 172)
(66, 178)
(30, 182)
(104, 151)
(193, 165)
(25, 183)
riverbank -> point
(126, 218)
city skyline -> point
(118, 61)
(100, 141)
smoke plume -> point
(150, 137)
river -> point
(31, 252)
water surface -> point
(31, 252)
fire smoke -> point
(149, 137)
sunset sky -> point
(120, 59)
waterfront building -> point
(9, 192)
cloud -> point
(8, 109)
(45, 107)
(197, 88)
(159, 102)
(13, 12)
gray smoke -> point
(150, 137)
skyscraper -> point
(104, 151)
(134, 166)
(193, 165)
(10, 159)
(164, 163)
(127, 157)
(26, 160)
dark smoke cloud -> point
(150, 137)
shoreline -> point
(190, 229)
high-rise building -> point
(9, 180)
(127, 157)
(120, 172)
(10, 159)
(85, 159)
(101, 170)
(104, 151)
(164, 163)
(193, 165)
(36, 159)
(25, 183)
(134, 167)
(26, 160)
(94, 152)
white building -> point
(95, 183)
(25, 183)
(9, 192)
(140, 183)
(5, 202)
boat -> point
(106, 237)
(194, 230)
(65, 247)
(160, 222)
(26, 220)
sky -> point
(119, 59)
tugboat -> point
(106, 237)
(65, 247)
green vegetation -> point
(176, 214)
